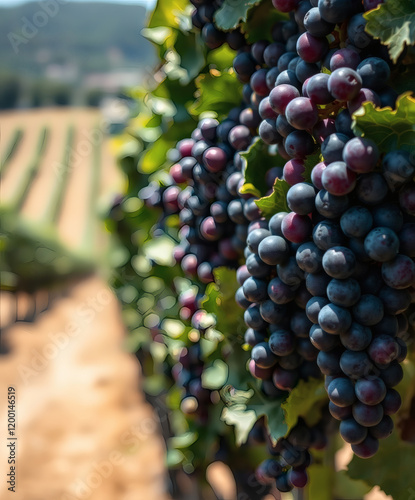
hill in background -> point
(84, 48)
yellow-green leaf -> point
(389, 129)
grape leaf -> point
(232, 12)
(245, 408)
(218, 92)
(167, 13)
(306, 401)
(155, 155)
(222, 57)
(276, 201)
(215, 375)
(258, 161)
(389, 129)
(192, 54)
(258, 25)
(393, 22)
(391, 468)
(220, 301)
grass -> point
(32, 171)
(11, 149)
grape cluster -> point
(332, 279)
(291, 456)
(204, 192)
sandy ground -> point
(84, 430)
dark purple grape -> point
(352, 432)
(371, 189)
(382, 244)
(369, 310)
(355, 364)
(361, 155)
(316, 25)
(338, 412)
(254, 337)
(374, 72)
(255, 289)
(345, 292)
(339, 262)
(314, 306)
(345, 58)
(356, 338)
(282, 342)
(383, 349)
(383, 429)
(310, 48)
(263, 356)
(366, 415)
(317, 89)
(337, 11)
(301, 113)
(367, 448)
(392, 374)
(370, 390)
(392, 402)
(273, 250)
(272, 53)
(356, 222)
(341, 392)
(281, 96)
(344, 84)
(356, 31)
(299, 144)
(334, 319)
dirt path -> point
(84, 430)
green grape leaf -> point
(160, 250)
(191, 52)
(155, 155)
(389, 129)
(232, 12)
(244, 408)
(222, 58)
(346, 488)
(167, 13)
(393, 22)
(305, 400)
(258, 161)
(215, 375)
(219, 300)
(217, 92)
(391, 468)
(276, 201)
(258, 25)
(310, 162)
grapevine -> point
(271, 187)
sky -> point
(148, 3)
